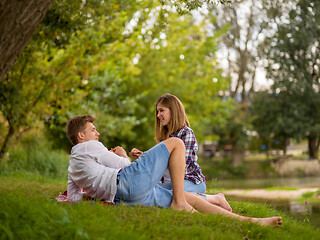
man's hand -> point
(135, 153)
(120, 152)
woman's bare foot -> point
(219, 200)
(182, 207)
(272, 221)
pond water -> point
(304, 213)
(269, 182)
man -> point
(110, 175)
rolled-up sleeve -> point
(74, 192)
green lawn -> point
(28, 210)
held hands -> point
(119, 151)
(135, 153)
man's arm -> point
(106, 157)
(73, 191)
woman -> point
(171, 121)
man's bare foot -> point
(182, 207)
(219, 200)
(272, 221)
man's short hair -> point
(77, 124)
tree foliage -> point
(102, 58)
(275, 118)
(293, 66)
(240, 57)
(245, 21)
(50, 75)
(180, 59)
(19, 20)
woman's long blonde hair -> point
(178, 117)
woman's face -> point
(163, 114)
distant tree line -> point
(114, 58)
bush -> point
(222, 168)
(35, 155)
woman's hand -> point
(135, 153)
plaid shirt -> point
(193, 170)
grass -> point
(28, 210)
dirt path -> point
(270, 194)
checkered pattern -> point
(193, 170)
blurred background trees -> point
(240, 56)
(114, 59)
(293, 65)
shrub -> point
(35, 155)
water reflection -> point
(268, 182)
(304, 213)
(296, 208)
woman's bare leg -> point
(206, 207)
(177, 161)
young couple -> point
(110, 175)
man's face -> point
(89, 133)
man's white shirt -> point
(94, 169)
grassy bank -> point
(29, 211)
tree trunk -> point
(18, 20)
(237, 156)
(285, 146)
(313, 147)
(4, 146)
